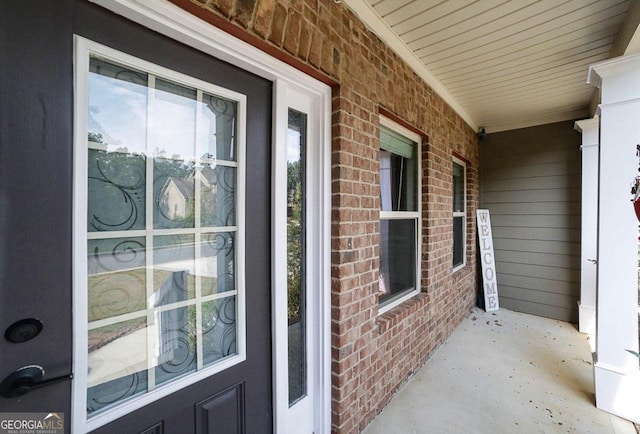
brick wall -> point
(372, 355)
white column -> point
(590, 129)
(617, 375)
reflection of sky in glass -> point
(118, 111)
(293, 145)
(173, 122)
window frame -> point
(406, 215)
(457, 214)
(85, 49)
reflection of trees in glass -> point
(116, 190)
(294, 239)
(95, 137)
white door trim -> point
(300, 417)
(174, 22)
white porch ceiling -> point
(505, 64)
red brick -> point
(264, 16)
(278, 24)
(329, 38)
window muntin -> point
(164, 298)
(399, 215)
(459, 213)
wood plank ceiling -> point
(507, 64)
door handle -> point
(593, 261)
(26, 379)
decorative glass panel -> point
(176, 347)
(296, 288)
(217, 195)
(174, 269)
(218, 329)
(162, 177)
(174, 193)
(217, 265)
(117, 277)
(218, 127)
(117, 363)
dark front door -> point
(135, 231)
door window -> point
(164, 299)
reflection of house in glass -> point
(177, 197)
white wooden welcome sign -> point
(489, 280)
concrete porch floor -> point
(502, 372)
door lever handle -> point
(593, 261)
(26, 379)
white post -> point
(617, 375)
(590, 129)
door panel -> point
(35, 194)
(223, 413)
(39, 166)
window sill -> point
(400, 312)
(458, 268)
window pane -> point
(173, 123)
(397, 182)
(117, 277)
(218, 127)
(458, 188)
(173, 270)
(458, 240)
(117, 363)
(296, 288)
(397, 258)
(218, 329)
(117, 107)
(216, 264)
(176, 346)
(217, 195)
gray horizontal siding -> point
(534, 233)
(535, 171)
(537, 283)
(532, 196)
(536, 246)
(524, 184)
(547, 208)
(547, 260)
(530, 182)
(540, 309)
(529, 296)
(535, 220)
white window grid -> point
(85, 50)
